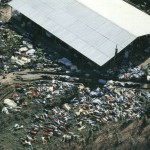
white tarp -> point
(10, 103)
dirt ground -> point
(5, 13)
(145, 62)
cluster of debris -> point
(21, 54)
(131, 73)
(67, 107)
(4, 2)
(24, 54)
(147, 69)
(66, 117)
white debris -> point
(30, 52)
(5, 110)
(66, 107)
(23, 49)
(65, 61)
(10, 103)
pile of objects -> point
(4, 2)
(84, 109)
(66, 107)
(147, 70)
(131, 73)
(22, 54)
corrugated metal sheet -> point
(83, 29)
(122, 14)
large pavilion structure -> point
(92, 27)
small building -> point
(94, 28)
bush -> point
(1, 106)
(26, 114)
(18, 117)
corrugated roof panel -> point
(67, 36)
(24, 8)
(127, 42)
(86, 33)
(94, 21)
(55, 4)
(80, 27)
(108, 29)
(108, 49)
(18, 3)
(94, 38)
(56, 29)
(49, 25)
(122, 14)
(102, 40)
(87, 50)
(79, 44)
(77, 10)
(67, 1)
(101, 59)
(37, 5)
(122, 36)
(98, 56)
(62, 18)
(41, 20)
(114, 33)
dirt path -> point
(145, 62)
(9, 79)
(5, 13)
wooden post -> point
(116, 52)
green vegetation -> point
(9, 41)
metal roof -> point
(78, 25)
(122, 14)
